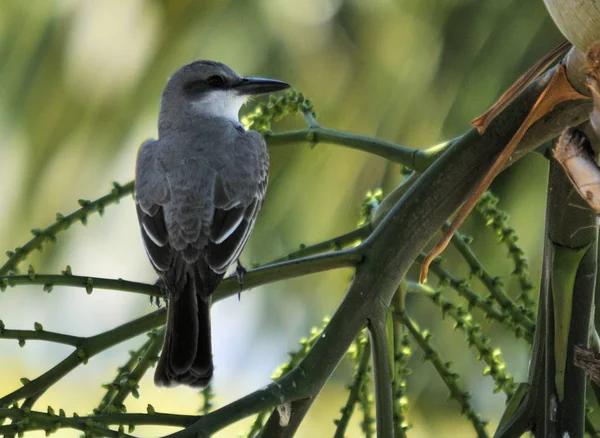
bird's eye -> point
(215, 81)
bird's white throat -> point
(220, 103)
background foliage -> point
(80, 89)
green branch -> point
(39, 335)
(228, 287)
(104, 407)
(88, 283)
(361, 354)
(463, 289)
(35, 420)
(27, 420)
(382, 373)
(498, 221)
(365, 403)
(417, 159)
(132, 383)
(402, 354)
(290, 269)
(272, 427)
(335, 244)
(62, 223)
(257, 424)
(496, 368)
(88, 348)
(519, 316)
(449, 378)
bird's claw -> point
(240, 271)
(163, 290)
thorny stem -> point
(382, 374)
(88, 348)
(40, 335)
(51, 421)
(422, 338)
(63, 223)
(270, 273)
(417, 159)
(133, 379)
(492, 284)
(113, 387)
(475, 337)
(336, 243)
(363, 355)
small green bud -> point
(31, 273)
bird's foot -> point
(163, 290)
(240, 271)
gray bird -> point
(198, 190)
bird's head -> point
(212, 89)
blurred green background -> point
(80, 87)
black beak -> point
(254, 86)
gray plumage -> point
(198, 190)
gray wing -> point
(230, 230)
(236, 209)
(183, 225)
(152, 192)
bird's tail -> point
(187, 353)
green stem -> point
(402, 354)
(88, 348)
(45, 421)
(449, 378)
(230, 286)
(475, 337)
(363, 354)
(382, 374)
(497, 220)
(88, 283)
(572, 233)
(289, 269)
(336, 243)
(145, 362)
(32, 420)
(257, 424)
(505, 302)
(43, 335)
(474, 300)
(417, 159)
(123, 372)
(63, 223)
